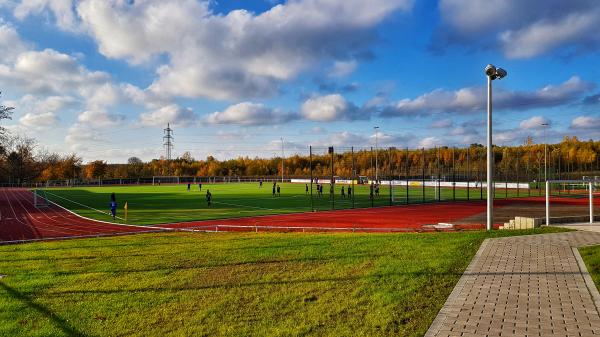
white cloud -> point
(172, 113)
(586, 122)
(429, 142)
(99, 118)
(442, 123)
(11, 44)
(343, 68)
(522, 29)
(470, 100)
(39, 121)
(61, 9)
(331, 108)
(49, 72)
(223, 56)
(535, 122)
(248, 113)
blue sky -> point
(101, 78)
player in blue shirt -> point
(113, 206)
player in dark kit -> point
(189, 186)
(349, 191)
(208, 197)
(200, 186)
(343, 193)
(306, 189)
(278, 190)
(274, 189)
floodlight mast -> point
(492, 73)
(376, 153)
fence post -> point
(423, 174)
(331, 182)
(312, 206)
(407, 174)
(591, 188)
(468, 172)
(453, 177)
(390, 176)
(353, 176)
(547, 203)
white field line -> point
(106, 222)
(80, 204)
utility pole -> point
(376, 153)
(282, 160)
(168, 144)
(545, 125)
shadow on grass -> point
(59, 322)
(382, 276)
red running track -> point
(397, 218)
(21, 221)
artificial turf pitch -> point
(173, 203)
(233, 284)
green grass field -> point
(173, 203)
(231, 284)
(591, 257)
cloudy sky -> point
(102, 78)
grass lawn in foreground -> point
(173, 203)
(232, 284)
(591, 258)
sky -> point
(102, 78)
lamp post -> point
(282, 159)
(492, 73)
(545, 125)
(376, 153)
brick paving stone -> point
(526, 286)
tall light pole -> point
(545, 125)
(376, 153)
(282, 159)
(492, 73)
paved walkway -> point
(524, 286)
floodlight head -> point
(501, 73)
(490, 70)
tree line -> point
(23, 161)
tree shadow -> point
(58, 321)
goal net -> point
(158, 180)
(571, 201)
(40, 200)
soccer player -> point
(371, 187)
(330, 191)
(113, 206)
(321, 190)
(260, 183)
(200, 186)
(377, 190)
(343, 193)
(278, 191)
(208, 197)
(306, 189)
(189, 186)
(349, 191)
(273, 189)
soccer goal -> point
(40, 200)
(157, 180)
(570, 200)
